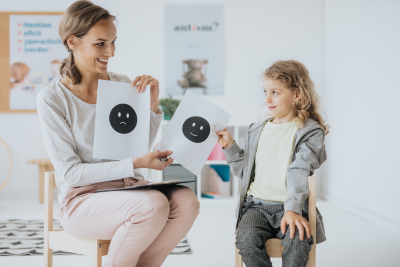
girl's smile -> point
(279, 100)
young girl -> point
(279, 155)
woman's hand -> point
(142, 82)
(225, 139)
(151, 160)
(293, 219)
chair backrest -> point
(49, 186)
(312, 217)
(312, 205)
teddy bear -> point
(193, 77)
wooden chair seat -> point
(274, 247)
(58, 239)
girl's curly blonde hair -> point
(295, 76)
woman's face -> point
(92, 51)
(278, 98)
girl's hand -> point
(151, 160)
(142, 82)
(293, 219)
(225, 139)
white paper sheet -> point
(191, 134)
(122, 122)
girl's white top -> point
(67, 125)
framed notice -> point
(30, 57)
(194, 49)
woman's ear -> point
(71, 41)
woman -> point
(144, 226)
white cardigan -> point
(67, 125)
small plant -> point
(169, 106)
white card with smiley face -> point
(122, 121)
(191, 133)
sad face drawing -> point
(196, 129)
(123, 118)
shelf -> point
(217, 162)
(230, 124)
(209, 162)
(232, 199)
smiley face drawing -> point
(123, 118)
(196, 129)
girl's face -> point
(279, 99)
(92, 51)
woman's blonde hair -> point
(77, 20)
(295, 76)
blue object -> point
(222, 171)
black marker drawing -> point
(123, 118)
(196, 129)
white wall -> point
(361, 96)
(257, 33)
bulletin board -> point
(33, 37)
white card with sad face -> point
(122, 121)
(191, 134)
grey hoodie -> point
(308, 155)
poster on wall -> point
(36, 51)
(194, 49)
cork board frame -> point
(5, 59)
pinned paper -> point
(191, 134)
(122, 122)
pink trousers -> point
(144, 226)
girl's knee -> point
(287, 241)
(248, 239)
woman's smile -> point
(102, 61)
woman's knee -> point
(158, 203)
(154, 205)
(186, 200)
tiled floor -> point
(351, 241)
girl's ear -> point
(297, 96)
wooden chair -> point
(58, 239)
(274, 247)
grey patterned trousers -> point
(260, 222)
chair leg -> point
(312, 215)
(48, 255)
(312, 257)
(97, 253)
(238, 258)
